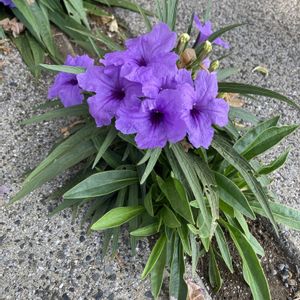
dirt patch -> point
(280, 269)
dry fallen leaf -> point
(234, 100)
(195, 292)
(113, 26)
(12, 26)
(186, 145)
(262, 70)
(104, 19)
(65, 131)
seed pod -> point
(186, 57)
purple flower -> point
(145, 52)
(161, 80)
(66, 86)
(8, 3)
(206, 32)
(158, 121)
(202, 109)
(112, 92)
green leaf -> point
(157, 273)
(64, 69)
(76, 11)
(66, 148)
(239, 113)
(155, 255)
(145, 157)
(95, 10)
(145, 17)
(188, 170)
(65, 22)
(183, 233)
(177, 286)
(169, 217)
(232, 195)
(221, 31)
(255, 276)
(241, 164)
(275, 164)
(249, 137)
(258, 249)
(207, 14)
(223, 246)
(267, 139)
(146, 231)
(175, 194)
(117, 216)
(148, 202)
(102, 183)
(171, 13)
(98, 36)
(124, 4)
(195, 252)
(111, 135)
(207, 178)
(79, 110)
(282, 214)
(213, 272)
(245, 89)
(35, 18)
(217, 34)
(151, 164)
(49, 168)
(225, 73)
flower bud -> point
(222, 95)
(182, 42)
(214, 65)
(187, 57)
(184, 38)
(207, 48)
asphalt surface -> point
(53, 258)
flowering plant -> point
(160, 151)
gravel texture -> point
(53, 258)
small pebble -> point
(292, 282)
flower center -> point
(119, 94)
(195, 111)
(141, 62)
(73, 81)
(156, 117)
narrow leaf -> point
(155, 255)
(102, 183)
(282, 214)
(237, 161)
(175, 194)
(232, 195)
(151, 164)
(223, 246)
(275, 164)
(213, 272)
(146, 231)
(247, 89)
(117, 216)
(64, 69)
(255, 276)
(111, 135)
